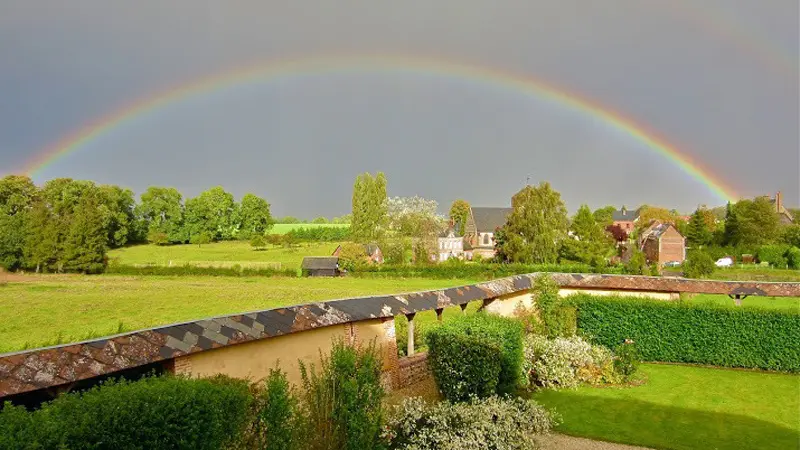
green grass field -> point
(684, 407)
(283, 228)
(754, 273)
(78, 307)
(219, 254)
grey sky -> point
(717, 78)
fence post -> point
(410, 318)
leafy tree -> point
(698, 265)
(752, 222)
(289, 219)
(118, 206)
(85, 244)
(201, 239)
(213, 212)
(257, 242)
(791, 235)
(617, 233)
(320, 220)
(589, 242)
(42, 239)
(637, 264)
(795, 213)
(699, 233)
(535, 228)
(254, 213)
(17, 195)
(604, 216)
(647, 214)
(369, 207)
(459, 211)
(347, 218)
(352, 256)
(162, 210)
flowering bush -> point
(567, 362)
(490, 423)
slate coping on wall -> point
(60, 365)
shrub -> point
(491, 423)
(793, 258)
(529, 317)
(342, 401)
(352, 256)
(482, 333)
(155, 412)
(698, 265)
(691, 333)
(774, 255)
(627, 359)
(566, 362)
(257, 242)
(463, 366)
(275, 416)
(637, 264)
(557, 317)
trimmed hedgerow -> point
(470, 347)
(155, 412)
(701, 334)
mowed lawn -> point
(685, 407)
(45, 310)
(220, 252)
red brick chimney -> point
(778, 202)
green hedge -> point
(477, 271)
(189, 270)
(155, 412)
(701, 334)
(469, 346)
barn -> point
(321, 266)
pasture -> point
(50, 309)
(685, 407)
(220, 254)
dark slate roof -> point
(488, 219)
(624, 215)
(320, 262)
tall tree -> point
(699, 232)
(648, 214)
(17, 195)
(589, 242)
(118, 205)
(162, 210)
(604, 216)
(369, 207)
(213, 212)
(255, 216)
(752, 222)
(535, 228)
(85, 244)
(42, 238)
(459, 211)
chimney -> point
(778, 202)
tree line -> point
(68, 225)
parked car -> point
(724, 262)
(672, 264)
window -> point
(485, 239)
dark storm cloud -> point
(720, 82)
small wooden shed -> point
(321, 266)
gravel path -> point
(564, 442)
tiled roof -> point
(488, 219)
(320, 262)
(625, 215)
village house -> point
(662, 243)
(625, 219)
(450, 244)
(372, 252)
(481, 224)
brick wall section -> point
(61, 365)
(412, 370)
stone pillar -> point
(410, 333)
(463, 308)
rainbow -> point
(360, 64)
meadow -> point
(220, 254)
(67, 308)
(686, 407)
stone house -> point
(626, 219)
(479, 230)
(450, 244)
(662, 243)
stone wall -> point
(412, 370)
